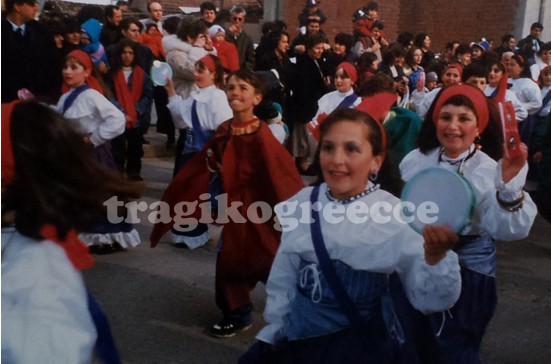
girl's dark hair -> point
(405, 39)
(420, 39)
(57, 179)
(190, 28)
(388, 176)
(393, 51)
(313, 40)
(521, 61)
(498, 63)
(378, 83)
(273, 38)
(218, 71)
(474, 70)
(116, 61)
(491, 138)
(365, 61)
(462, 48)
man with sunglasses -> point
(28, 53)
(236, 35)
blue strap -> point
(545, 100)
(105, 345)
(328, 269)
(73, 95)
(199, 137)
(348, 101)
(494, 94)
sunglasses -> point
(236, 18)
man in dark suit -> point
(530, 45)
(28, 53)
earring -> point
(477, 141)
(373, 176)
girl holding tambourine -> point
(502, 211)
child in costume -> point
(328, 295)
(502, 211)
(52, 189)
(98, 121)
(200, 114)
(253, 167)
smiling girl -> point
(502, 211)
(307, 322)
(200, 114)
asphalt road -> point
(160, 301)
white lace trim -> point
(192, 242)
(126, 240)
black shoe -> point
(102, 249)
(135, 177)
(179, 245)
(228, 328)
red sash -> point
(127, 97)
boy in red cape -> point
(254, 167)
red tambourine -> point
(509, 124)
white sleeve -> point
(520, 111)
(533, 97)
(429, 288)
(178, 108)
(281, 289)
(112, 120)
(45, 316)
(499, 222)
(221, 109)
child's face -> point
(242, 96)
(73, 38)
(74, 74)
(546, 57)
(546, 77)
(152, 30)
(456, 129)
(479, 82)
(477, 53)
(283, 43)
(346, 158)
(374, 66)
(495, 76)
(84, 39)
(514, 68)
(430, 85)
(417, 57)
(342, 83)
(372, 14)
(203, 77)
(451, 77)
(465, 58)
(376, 32)
(127, 56)
(219, 37)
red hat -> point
(473, 94)
(350, 70)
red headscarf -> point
(84, 59)
(208, 62)
(75, 249)
(473, 94)
(350, 70)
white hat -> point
(213, 30)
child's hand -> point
(169, 87)
(102, 67)
(510, 166)
(438, 240)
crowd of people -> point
(363, 113)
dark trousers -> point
(165, 125)
(127, 151)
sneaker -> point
(228, 328)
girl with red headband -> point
(98, 121)
(133, 92)
(200, 114)
(321, 264)
(502, 210)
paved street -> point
(160, 301)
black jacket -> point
(29, 62)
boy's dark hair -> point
(372, 5)
(207, 5)
(462, 48)
(126, 22)
(378, 83)
(536, 25)
(250, 78)
(347, 40)
(109, 10)
(313, 40)
(377, 24)
(474, 70)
